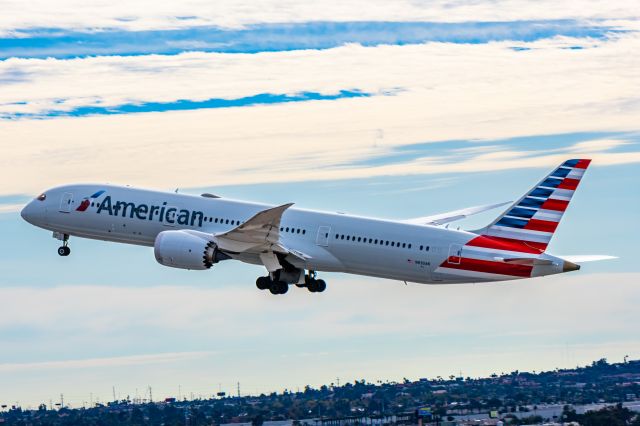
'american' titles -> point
(146, 212)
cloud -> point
(10, 208)
(307, 338)
(120, 361)
(441, 92)
(47, 43)
(143, 15)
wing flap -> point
(262, 228)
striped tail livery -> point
(533, 219)
(514, 245)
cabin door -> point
(65, 202)
(322, 238)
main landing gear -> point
(64, 249)
(275, 285)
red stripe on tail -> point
(569, 183)
(582, 164)
(541, 225)
(558, 205)
(501, 268)
(507, 244)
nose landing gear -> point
(64, 249)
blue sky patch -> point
(466, 149)
(58, 43)
(186, 104)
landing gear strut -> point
(64, 249)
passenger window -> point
(342, 237)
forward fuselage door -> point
(66, 202)
(322, 238)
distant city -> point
(599, 394)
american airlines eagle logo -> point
(86, 202)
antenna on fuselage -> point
(176, 191)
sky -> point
(396, 110)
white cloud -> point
(120, 361)
(450, 92)
(148, 14)
(10, 208)
(359, 328)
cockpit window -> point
(42, 197)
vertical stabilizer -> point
(533, 219)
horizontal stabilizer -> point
(581, 258)
(442, 218)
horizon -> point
(188, 396)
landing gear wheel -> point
(279, 287)
(263, 283)
(64, 251)
(314, 285)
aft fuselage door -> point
(323, 236)
(455, 254)
(65, 202)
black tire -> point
(321, 286)
(312, 286)
(284, 287)
(64, 251)
(263, 283)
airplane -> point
(196, 232)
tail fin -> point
(533, 219)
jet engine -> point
(187, 250)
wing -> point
(263, 229)
(260, 235)
(442, 218)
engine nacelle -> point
(186, 250)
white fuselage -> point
(333, 241)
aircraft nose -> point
(29, 213)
